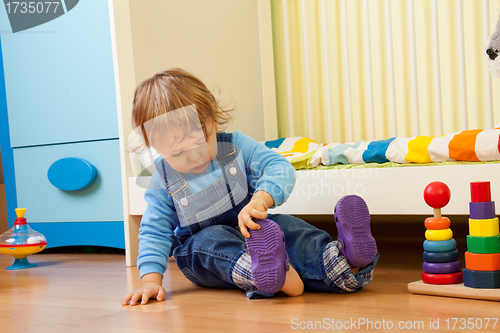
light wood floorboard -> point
(79, 292)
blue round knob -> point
(71, 173)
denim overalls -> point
(208, 253)
(220, 202)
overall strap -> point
(227, 152)
(224, 137)
(174, 182)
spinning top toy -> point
(20, 241)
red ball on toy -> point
(437, 194)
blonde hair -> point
(170, 90)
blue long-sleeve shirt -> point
(265, 169)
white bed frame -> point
(387, 191)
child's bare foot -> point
(293, 283)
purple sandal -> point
(353, 224)
(269, 258)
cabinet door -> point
(60, 78)
(100, 201)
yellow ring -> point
(439, 235)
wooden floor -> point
(80, 292)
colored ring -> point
(438, 235)
(482, 261)
(442, 267)
(483, 244)
(437, 224)
(451, 278)
(481, 279)
(483, 228)
(482, 210)
(441, 256)
(440, 246)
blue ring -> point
(441, 256)
(440, 246)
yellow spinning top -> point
(20, 241)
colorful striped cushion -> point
(470, 145)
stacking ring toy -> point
(441, 256)
(439, 235)
(440, 246)
(451, 278)
(442, 267)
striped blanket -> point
(470, 145)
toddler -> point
(208, 204)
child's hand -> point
(149, 289)
(256, 208)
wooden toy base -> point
(454, 290)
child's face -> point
(190, 153)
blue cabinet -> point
(61, 102)
(60, 79)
